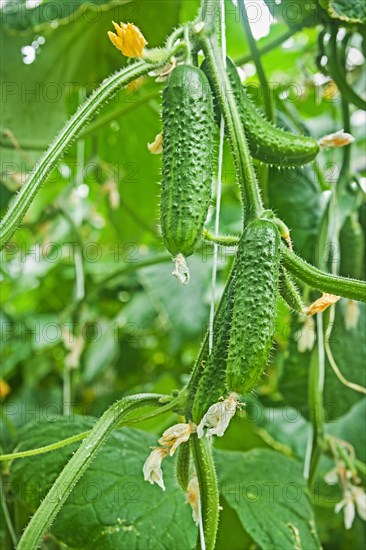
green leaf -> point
(269, 494)
(338, 399)
(349, 12)
(111, 506)
(73, 57)
(294, 196)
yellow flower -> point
(4, 389)
(129, 39)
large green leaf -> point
(348, 11)
(269, 494)
(294, 195)
(73, 56)
(111, 506)
(338, 399)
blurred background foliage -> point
(90, 311)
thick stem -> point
(324, 282)
(316, 388)
(78, 464)
(243, 162)
(338, 75)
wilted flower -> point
(352, 314)
(175, 435)
(354, 499)
(129, 39)
(306, 336)
(181, 271)
(193, 498)
(156, 147)
(218, 417)
(322, 303)
(338, 139)
(152, 467)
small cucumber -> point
(188, 132)
(212, 383)
(255, 305)
(267, 143)
(352, 248)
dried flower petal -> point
(152, 467)
(322, 303)
(352, 314)
(193, 498)
(338, 139)
(306, 336)
(129, 39)
(175, 435)
(359, 496)
(218, 417)
(156, 147)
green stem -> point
(338, 74)
(268, 103)
(78, 437)
(316, 405)
(243, 162)
(209, 493)
(7, 516)
(324, 282)
(78, 464)
(271, 45)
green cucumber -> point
(212, 383)
(255, 305)
(267, 143)
(188, 131)
(352, 248)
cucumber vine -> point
(265, 265)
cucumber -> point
(255, 305)
(188, 130)
(352, 248)
(267, 143)
(212, 384)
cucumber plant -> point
(236, 350)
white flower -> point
(193, 498)
(218, 417)
(175, 435)
(352, 314)
(353, 495)
(306, 336)
(359, 496)
(331, 477)
(338, 139)
(349, 509)
(152, 467)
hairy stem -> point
(324, 282)
(78, 464)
